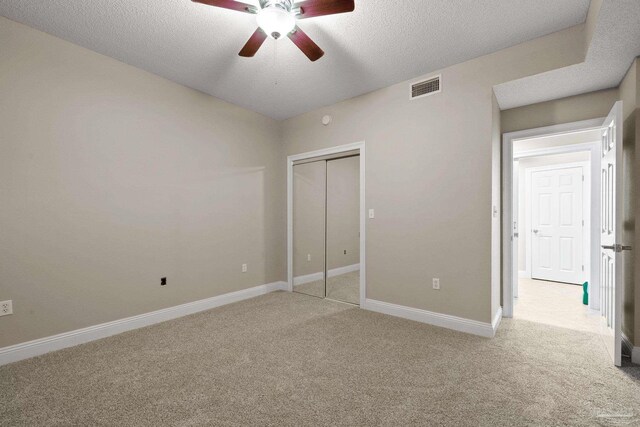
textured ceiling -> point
(381, 43)
(615, 43)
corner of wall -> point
(629, 94)
(496, 209)
(591, 22)
(636, 265)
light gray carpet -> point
(345, 287)
(315, 288)
(294, 360)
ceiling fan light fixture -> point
(275, 21)
(278, 18)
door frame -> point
(507, 194)
(587, 230)
(360, 148)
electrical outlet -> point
(163, 281)
(6, 308)
(308, 257)
(436, 283)
(244, 268)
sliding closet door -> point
(309, 206)
(343, 229)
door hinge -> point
(582, 178)
(583, 268)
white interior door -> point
(557, 223)
(516, 226)
(611, 234)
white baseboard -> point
(40, 346)
(627, 347)
(301, 280)
(495, 323)
(307, 278)
(437, 319)
(343, 270)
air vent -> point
(425, 87)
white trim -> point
(413, 98)
(437, 319)
(301, 280)
(516, 227)
(630, 349)
(559, 149)
(343, 270)
(40, 346)
(524, 274)
(587, 231)
(307, 278)
(573, 127)
(507, 199)
(360, 146)
(495, 323)
(627, 346)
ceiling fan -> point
(276, 18)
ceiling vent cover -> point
(425, 87)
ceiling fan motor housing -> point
(276, 17)
(282, 4)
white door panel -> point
(557, 224)
(515, 270)
(611, 234)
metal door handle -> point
(617, 248)
(535, 231)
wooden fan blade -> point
(254, 43)
(229, 4)
(305, 44)
(312, 8)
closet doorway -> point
(326, 202)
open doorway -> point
(562, 227)
(553, 191)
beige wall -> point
(566, 110)
(629, 95)
(114, 177)
(431, 168)
(414, 184)
(636, 262)
(309, 198)
(343, 212)
(111, 178)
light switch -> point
(372, 214)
